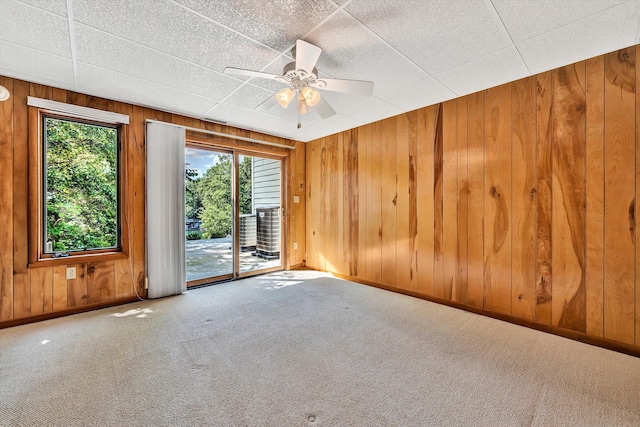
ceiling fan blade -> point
(324, 109)
(249, 73)
(268, 103)
(354, 87)
(307, 55)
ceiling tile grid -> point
(170, 54)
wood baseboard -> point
(577, 336)
(67, 312)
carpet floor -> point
(302, 348)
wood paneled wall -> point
(27, 291)
(517, 201)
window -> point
(78, 171)
(80, 186)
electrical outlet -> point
(296, 199)
(295, 246)
(71, 273)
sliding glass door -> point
(233, 214)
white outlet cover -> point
(71, 273)
(296, 199)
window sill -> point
(77, 259)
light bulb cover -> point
(303, 108)
(4, 93)
(312, 97)
(284, 97)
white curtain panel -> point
(166, 270)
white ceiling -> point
(170, 54)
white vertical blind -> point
(166, 270)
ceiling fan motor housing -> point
(298, 79)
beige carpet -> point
(305, 349)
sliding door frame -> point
(235, 191)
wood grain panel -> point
(403, 247)
(568, 228)
(139, 149)
(313, 205)
(446, 288)
(374, 204)
(475, 170)
(77, 288)
(497, 176)
(363, 177)
(438, 208)
(100, 281)
(334, 250)
(523, 238)
(351, 201)
(637, 314)
(59, 287)
(413, 199)
(619, 212)
(41, 280)
(594, 270)
(544, 285)
(427, 120)
(6, 201)
(461, 295)
(389, 202)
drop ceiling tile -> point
(35, 28)
(492, 70)
(436, 35)
(36, 66)
(59, 7)
(598, 34)
(417, 95)
(117, 54)
(249, 96)
(527, 19)
(262, 21)
(335, 124)
(121, 87)
(249, 119)
(350, 51)
(308, 133)
(371, 111)
(172, 29)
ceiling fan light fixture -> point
(312, 97)
(285, 96)
(303, 108)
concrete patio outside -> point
(214, 257)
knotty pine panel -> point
(619, 209)
(438, 207)
(6, 201)
(389, 202)
(637, 312)
(594, 271)
(403, 247)
(523, 237)
(447, 287)
(77, 288)
(41, 280)
(413, 199)
(461, 294)
(497, 205)
(568, 197)
(362, 158)
(100, 281)
(544, 218)
(351, 202)
(475, 171)
(426, 126)
(374, 202)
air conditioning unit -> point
(248, 232)
(268, 241)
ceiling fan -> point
(301, 78)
